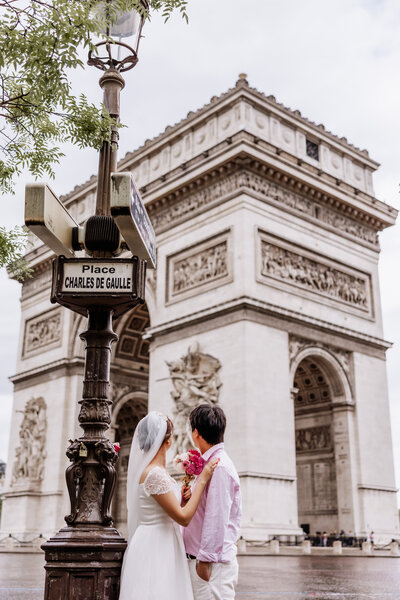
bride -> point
(155, 565)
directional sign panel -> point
(81, 283)
(131, 217)
(47, 217)
(97, 277)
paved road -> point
(261, 578)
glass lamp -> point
(127, 26)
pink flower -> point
(191, 469)
(195, 453)
(190, 462)
(178, 461)
(117, 447)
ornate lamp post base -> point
(84, 563)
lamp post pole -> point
(83, 560)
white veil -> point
(147, 440)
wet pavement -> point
(261, 577)
(318, 578)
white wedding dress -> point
(155, 565)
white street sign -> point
(97, 277)
(47, 217)
(131, 217)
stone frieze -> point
(314, 438)
(308, 272)
(193, 203)
(43, 331)
(200, 267)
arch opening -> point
(317, 496)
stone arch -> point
(321, 391)
(333, 369)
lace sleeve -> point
(157, 482)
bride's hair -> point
(170, 430)
(148, 428)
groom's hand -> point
(203, 570)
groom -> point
(210, 538)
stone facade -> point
(265, 301)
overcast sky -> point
(337, 61)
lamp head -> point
(128, 25)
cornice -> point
(57, 365)
(258, 306)
(377, 488)
(240, 92)
(272, 162)
(271, 185)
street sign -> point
(100, 278)
(47, 217)
(116, 283)
(131, 217)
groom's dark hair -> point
(210, 422)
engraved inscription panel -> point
(324, 486)
(304, 487)
(43, 331)
(301, 268)
(199, 268)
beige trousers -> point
(222, 584)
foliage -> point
(12, 246)
(40, 43)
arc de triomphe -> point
(266, 300)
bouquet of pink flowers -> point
(191, 463)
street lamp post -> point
(83, 560)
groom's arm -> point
(216, 516)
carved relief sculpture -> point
(313, 438)
(31, 453)
(193, 203)
(203, 264)
(42, 331)
(297, 345)
(200, 268)
(195, 380)
(283, 264)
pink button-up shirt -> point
(214, 529)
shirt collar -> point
(211, 451)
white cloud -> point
(335, 61)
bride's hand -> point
(208, 470)
(186, 494)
